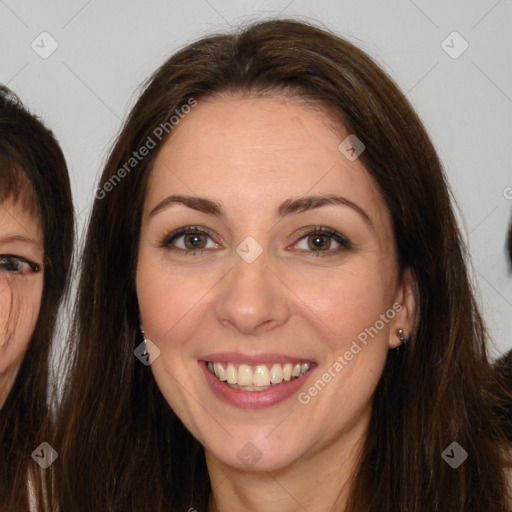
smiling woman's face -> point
(21, 285)
(268, 288)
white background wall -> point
(106, 49)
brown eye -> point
(319, 241)
(16, 264)
(194, 239)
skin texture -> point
(20, 288)
(250, 155)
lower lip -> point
(254, 399)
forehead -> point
(242, 131)
(260, 151)
(19, 222)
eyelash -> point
(8, 261)
(317, 230)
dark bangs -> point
(14, 183)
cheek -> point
(344, 302)
(19, 311)
(351, 313)
(168, 298)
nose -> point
(253, 299)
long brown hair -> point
(122, 447)
(33, 173)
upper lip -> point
(255, 359)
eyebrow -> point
(287, 207)
(17, 238)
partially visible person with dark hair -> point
(504, 366)
(36, 243)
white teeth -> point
(261, 376)
(219, 371)
(231, 374)
(276, 374)
(244, 375)
(257, 378)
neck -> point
(315, 482)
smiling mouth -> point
(257, 378)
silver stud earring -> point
(401, 336)
(145, 353)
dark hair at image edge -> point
(509, 245)
(33, 173)
(120, 438)
(504, 366)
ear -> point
(405, 307)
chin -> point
(256, 453)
